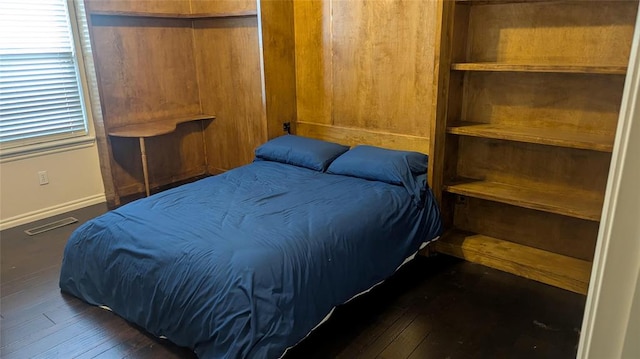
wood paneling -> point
(576, 237)
(143, 6)
(146, 67)
(223, 6)
(519, 164)
(146, 71)
(171, 158)
(354, 136)
(572, 102)
(313, 56)
(366, 65)
(228, 60)
(278, 65)
(126, 165)
(187, 143)
(552, 33)
(102, 139)
(383, 65)
(444, 100)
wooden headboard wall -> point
(354, 72)
(364, 71)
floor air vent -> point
(49, 226)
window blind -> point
(40, 91)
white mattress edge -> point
(407, 260)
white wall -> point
(612, 317)
(74, 172)
(74, 182)
(611, 326)
(631, 347)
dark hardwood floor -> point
(436, 307)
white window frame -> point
(14, 151)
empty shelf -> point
(567, 202)
(504, 67)
(543, 266)
(544, 136)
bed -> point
(245, 264)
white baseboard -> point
(51, 211)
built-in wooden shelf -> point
(176, 15)
(567, 202)
(555, 269)
(543, 136)
(497, 2)
(150, 129)
(570, 69)
(156, 127)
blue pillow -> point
(301, 151)
(380, 164)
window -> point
(41, 97)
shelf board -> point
(543, 136)
(176, 15)
(484, 2)
(570, 69)
(567, 202)
(497, 2)
(157, 127)
(551, 268)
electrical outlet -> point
(43, 177)
(461, 200)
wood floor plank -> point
(67, 307)
(531, 347)
(38, 277)
(162, 350)
(28, 310)
(57, 307)
(29, 297)
(406, 342)
(14, 333)
(122, 344)
(389, 335)
(370, 333)
(438, 344)
(40, 341)
(82, 342)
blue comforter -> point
(245, 264)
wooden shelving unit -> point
(577, 204)
(544, 68)
(529, 98)
(543, 136)
(156, 127)
(498, 2)
(555, 269)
